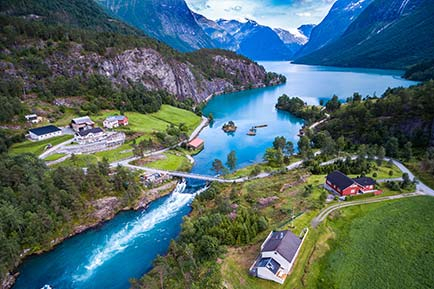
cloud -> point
(304, 14)
(287, 14)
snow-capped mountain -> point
(387, 34)
(339, 18)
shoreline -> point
(144, 200)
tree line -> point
(39, 204)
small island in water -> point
(229, 127)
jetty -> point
(252, 131)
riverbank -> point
(105, 209)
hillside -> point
(170, 21)
(340, 16)
(388, 34)
(103, 63)
(402, 115)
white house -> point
(44, 132)
(115, 121)
(278, 254)
(89, 135)
(33, 118)
(110, 122)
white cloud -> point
(288, 14)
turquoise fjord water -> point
(125, 247)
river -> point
(125, 247)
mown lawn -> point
(383, 245)
(54, 157)
(158, 121)
(173, 161)
(37, 147)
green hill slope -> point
(388, 34)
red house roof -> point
(196, 143)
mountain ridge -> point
(387, 34)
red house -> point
(338, 182)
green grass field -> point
(384, 245)
(37, 147)
(173, 161)
(54, 157)
(143, 124)
(158, 121)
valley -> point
(212, 144)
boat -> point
(260, 126)
(252, 131)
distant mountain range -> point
(172, 22)
(362, 33)
(259, 42)
(387, 34)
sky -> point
(287, 14)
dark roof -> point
(44, 130)
(270, 264)
(88, 131)
(339, 179)
(365, 181)
(284, 242)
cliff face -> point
(156, 72)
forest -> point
(40, 204)
(218, 222)
(402, 117)
(299, 108)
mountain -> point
(387, 34)
(292, 42)
(339, 18)
(221, 38)
(170, 21)
(306, 29)
(62, 48)
(248, 38)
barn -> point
(340, 183)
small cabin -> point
(196, 144)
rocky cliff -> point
(147, 66)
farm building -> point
(339, 183)
(195, 144)
(82, 123)
(278, 254)
(44, 132)
(115, 121)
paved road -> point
(325, 212)
(198, 129)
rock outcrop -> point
(155, 71)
